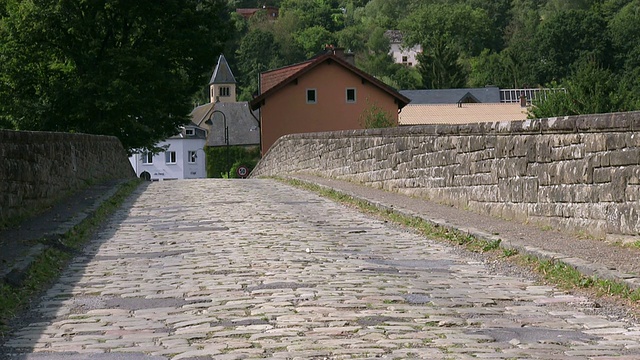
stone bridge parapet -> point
(577, 173)
(39, 168)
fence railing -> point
(513, 95)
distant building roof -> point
(453, 96)
(272, 12)
(198, 132)
(243, 127)
(222, 73)
(394, 36)
(421, 114)
(272, 81)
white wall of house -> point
(183, 159)
(405, 56)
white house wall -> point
(398, 51)
(160, 170)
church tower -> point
(222, 86)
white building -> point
(183, 158)
(400, 53)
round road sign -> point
(242, 171)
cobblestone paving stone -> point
(220, 269)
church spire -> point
(222, 86)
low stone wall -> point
(39, 168)
(577, 173)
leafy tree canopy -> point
(114, 67)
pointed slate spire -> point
(222, 73)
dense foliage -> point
(133, 68)
(114, 67)
(589, 47)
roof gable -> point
(222, 73)
(279, 78)
(469, 98)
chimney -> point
(350, 58)
(339, 52)
(523, 101)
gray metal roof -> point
(222, 73)
(243, 127)
(453, 96)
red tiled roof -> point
(272, 78)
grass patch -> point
(48, 265)
(422, 226)
(509, 252)
(567, 277)
(554, 272)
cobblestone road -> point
(252, 269)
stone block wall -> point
(579, 173)
(39, 168)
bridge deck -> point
(236, 269)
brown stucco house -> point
(326, 93)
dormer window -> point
(190, 131)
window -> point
(170, 157)
(190, 132)
(224, 91)
(351, 95)
(311, 96)
(405, 59)
(191, 157)
(147, 158)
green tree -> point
(449, 34)
(312, 40)
(460, 25)
(123, 68)
(499, 12)
(521, 52)
(567, 38)
(406, 78)
(629, 90)
(376, 59)
(491, 68)
(386, 13)
(353, 38)
(257, 53)
(440, 67)
(592, 89)
(310, 13)
(624, 28)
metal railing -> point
(513, 95)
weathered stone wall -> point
(39, 168)
(580, 173)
